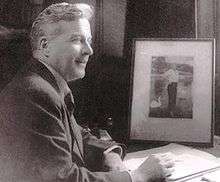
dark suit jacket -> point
(39, 137)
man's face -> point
(69, 51)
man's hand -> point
(113, 162)
(154, 169)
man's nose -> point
(87, 49)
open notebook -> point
(186, 165)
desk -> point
(215, 150)
(206, 153)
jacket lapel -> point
(52, 77)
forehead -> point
(80, 26)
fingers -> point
(167, 159)
(165, 156)
(167, 171)
(113, 162)
(167, 162)
(154, 168)
(168, 168)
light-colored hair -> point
(55, 13)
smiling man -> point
(40, 140)
(69, 52)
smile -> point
(81, 61)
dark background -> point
(104, 92)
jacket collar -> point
(51, 75)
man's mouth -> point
(81, 61)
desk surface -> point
(141, 151)
(212, 150)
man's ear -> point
(44, 46)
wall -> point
(217, 89)
(205, 19)
(208, 26)
(159, 21)
(144, 18)
(113, 27)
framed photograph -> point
(172, 91)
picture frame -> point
(172, 91)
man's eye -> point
(75, 39)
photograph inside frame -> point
(166, 99)
(171, 87)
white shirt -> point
(172, 75)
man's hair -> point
(55, 13)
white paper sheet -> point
(212, 177)
(184, 164)
(187, 165)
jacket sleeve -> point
(41, 147)
(94, 149)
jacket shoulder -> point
(32, 86)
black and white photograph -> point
(171, 87)
(109, 90)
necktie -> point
(75, 132)
(69, 101)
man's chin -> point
(82, 76)
(77, 76)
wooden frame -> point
(172, 91)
